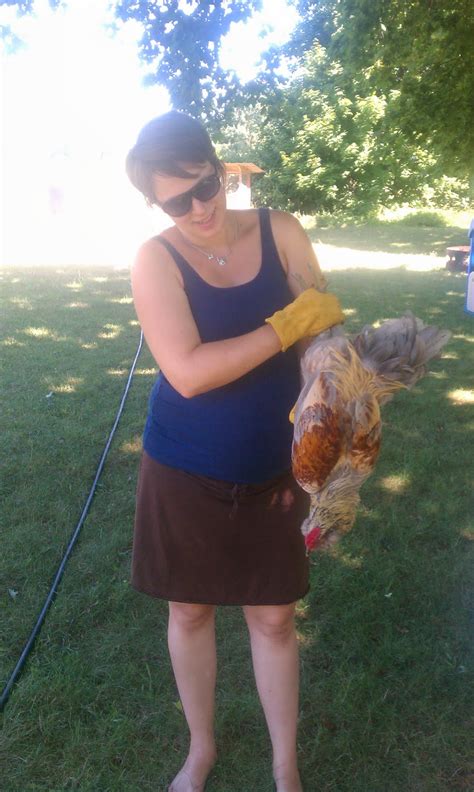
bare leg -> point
(275, 662)
(192, 645)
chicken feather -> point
(338, 426)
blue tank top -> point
(238, 432)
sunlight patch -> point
(74, 285)
(379, 322)
(134, 323)
(450, 356)
(395, 484)
(146, 372)
(121, 300)
(132, 446)
(304, 640)
(354, 562)
(461, 396)
(21, 302)
(117, 372)
(469, 339)
(91, 345)
(41, 332)
(111, 331)
(68, 386)
(333, 258)
(302, 610)
(11, 341)
(100, 279)
(77, 305)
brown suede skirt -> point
(205, 541)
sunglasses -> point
(204, 190)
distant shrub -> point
(424, 218)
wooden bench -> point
(458, 257)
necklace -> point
(221, 260)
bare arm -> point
(296, 253)
(173, 338)
(298, 258)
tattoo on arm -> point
(315, 278)
(300, 280)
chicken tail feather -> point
(398, 352)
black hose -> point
(52, 592)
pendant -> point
(220, 259)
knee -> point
(275, 623)
(190, 617)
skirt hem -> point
(196, 601)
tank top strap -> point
(270, 255)
(183, 266)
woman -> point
(218, 512)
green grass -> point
(386, 700)
(423, 231)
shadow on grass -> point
(390, 237)
(385, 701)
(68, 341)
(369, 296)
(387, 629)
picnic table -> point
(457, 258)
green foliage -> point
(330, 147)
(181, 44)
(447, 192)
(240, 138)
(422, 51)
(378, 111)
(424, 218)
(325, 146)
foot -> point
(193, 775)
(287, 779)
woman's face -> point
(205, 219)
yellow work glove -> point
(308, 315)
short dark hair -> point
(164, 143)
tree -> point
(181, 44)
(420, 52)
(26, 6)
(7, 32)
(327, 147)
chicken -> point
(337, 423)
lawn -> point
(414, 240)
(425, 233)
(385, 632)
